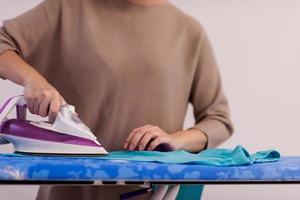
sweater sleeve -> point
(210, 105)
(25, 33)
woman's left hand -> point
(149, 137)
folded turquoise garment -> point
(211, 157)
(214, 157)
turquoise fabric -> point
(215, 157)
(212, 157)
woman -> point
(130, 67)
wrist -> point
(203, 135)
(31, 78)
(192, 140)
(178, 140)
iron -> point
(67, 135)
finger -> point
(62, 101)
(157, 141)
(127, 142)
(133, 143)
(38, 104)
(144, 142)
(138, 135)
(44, 106)
(54, 108)
(30, 105)
(133, 132)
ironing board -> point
(72, 170)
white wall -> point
(257, 45)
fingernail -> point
(141, 148)
(131, 147)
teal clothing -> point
(213, 157)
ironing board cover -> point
(212, 164)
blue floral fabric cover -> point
(209, 165)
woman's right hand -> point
(42, 98)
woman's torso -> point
(121, 65)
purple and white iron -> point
(67, 135)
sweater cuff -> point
(215, 131)
(4, 47)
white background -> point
(257, 46)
